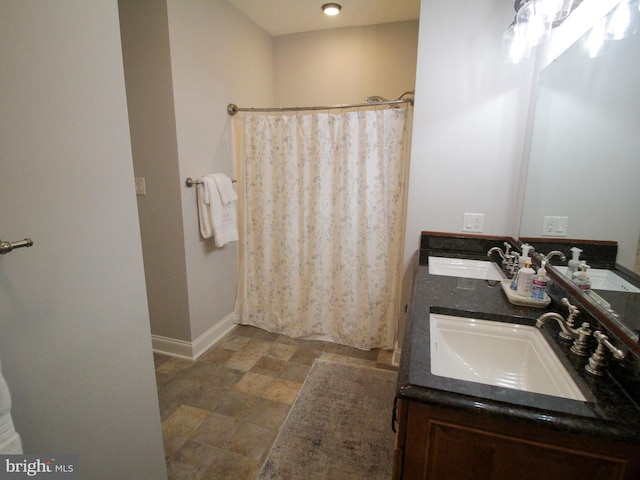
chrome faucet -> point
(555, 253)
(509, 259)
(580, 336)
(558, 318)
(504, 255)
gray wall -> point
(344, 65)
(470, 121)
(74, 325)
(184, 62)
(147, 66)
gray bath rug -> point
(338, 428)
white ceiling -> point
(283, 17)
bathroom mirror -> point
(584, 160)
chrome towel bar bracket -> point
(6, 247)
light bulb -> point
(535, 25)
(516, 47)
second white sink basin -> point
(603, 279)
(461, 267)
(497, 353)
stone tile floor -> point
(221, 414)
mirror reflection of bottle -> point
(581, 277)
(574, 263)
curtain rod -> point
(232, 108)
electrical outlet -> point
(141, 189)
(473, 222)
(555, 226)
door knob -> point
(6, 247)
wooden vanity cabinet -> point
(436, 443)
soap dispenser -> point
(581, 278)
(540, 281)
(574, 263)
(524, 257)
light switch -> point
(473, 222)
(141, 189)
(555, 226)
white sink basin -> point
(603, 279)
(497, 353)
(461, 267)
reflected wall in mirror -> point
(584, 161)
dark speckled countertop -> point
(607, 413)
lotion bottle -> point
(540, 281)
(574, 263)
(524, 257)
(525, 279)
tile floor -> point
(221, 414)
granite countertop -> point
(608, 411)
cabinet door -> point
(456, 451)
(445, 445)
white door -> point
(74, 326)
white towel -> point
(10, 443)
(217, 220)
(204, 215)
(225, 188)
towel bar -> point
(190, 182)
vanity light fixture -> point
(532, 25)
(331, 8)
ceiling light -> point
(331, 8)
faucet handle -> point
(573, 311)
(571, 318)
(598, 361)
(581, 344)
(507, 248)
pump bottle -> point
(540, 281)
(524, 257)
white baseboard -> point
(193, 350)
(395, 359)
(397, 351)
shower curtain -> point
(322, 216)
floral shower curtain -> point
(322, 216)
